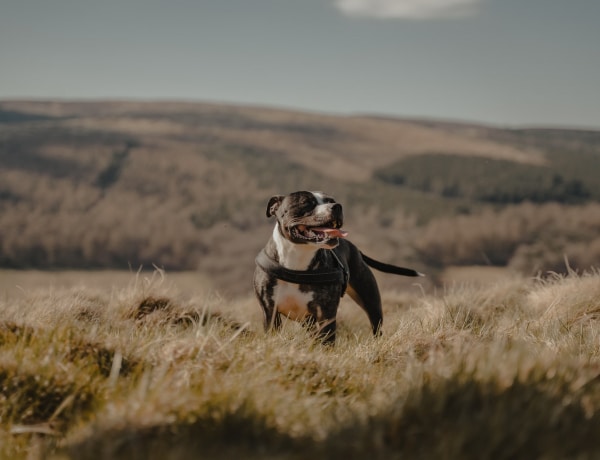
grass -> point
(505, 370)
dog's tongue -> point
(332, 232)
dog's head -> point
(308, 218)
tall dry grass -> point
(509, 370)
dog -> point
(308, 265)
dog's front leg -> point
(263, 288)
(272, 320)
(327, 331)
(324, 329)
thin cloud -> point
(408, 9)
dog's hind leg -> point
(366, 294)
(362, 286)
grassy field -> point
(155, 370)
(18, 283)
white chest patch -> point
(290, 302)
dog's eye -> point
(308, 203)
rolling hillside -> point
(184, 185)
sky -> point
(502, 62)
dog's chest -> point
(291, 302)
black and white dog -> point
(308, 265)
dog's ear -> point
(274, 203)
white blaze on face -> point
(322, 209)
(319, 197)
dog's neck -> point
(293, 256)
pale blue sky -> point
(505, 62)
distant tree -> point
(111, 173)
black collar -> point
(338, 275)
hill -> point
(183, 186)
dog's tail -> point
(387, 268)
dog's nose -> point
(336, 211)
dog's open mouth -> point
(318, 234)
